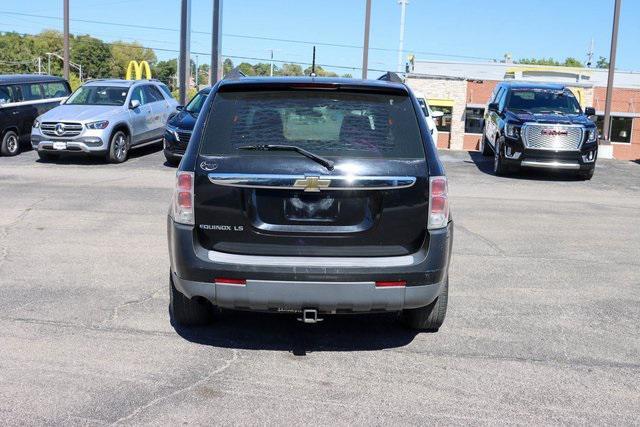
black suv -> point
(180, 126)
(310, 196)
(22, 99)
(539, 125)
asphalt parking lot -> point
(542, 327)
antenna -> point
(313, 63)
(590, 54)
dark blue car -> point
(180, 126)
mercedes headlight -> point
(102, 124)
(36, 123)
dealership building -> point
(461, 91)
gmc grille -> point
(552, 137)
(61, 129)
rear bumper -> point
(294, 283)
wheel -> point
(118, 147)
(485, 148)
(10, 145)
(46, 157)
(185, 311)
(428, 318)
(499, 168)
(586, 175)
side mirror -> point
(493, 106)
(590, 111)
(134, 104)
(436, 114)
(179, 107)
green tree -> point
(572, 62)
(291, 70)
(227, 66)
(541, 61)
(602, 63)
(16, 53)
(124, 52)
(263, 69)
(203, 74)
(94, 56)
(320, 72)
(347, 76)
(166, 72)
(247, 69)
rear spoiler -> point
(390, 76)
(235, 74)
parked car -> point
(311, 196)
(539, 125)
(22, 99)
(180, 126)
(105, 118)
(429, 115)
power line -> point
(244, 36)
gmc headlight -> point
(173, 131)
(36, 124)
(512, 131)
(592, 135)
(102, 124)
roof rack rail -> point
(390, 76)
(235, 74)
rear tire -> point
(586, 175)
(485, 147)
(10, 145)
(185, 311)
(172, 161)
(428, 318)
(118, 147)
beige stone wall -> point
(455, 90)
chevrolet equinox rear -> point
(311, 196)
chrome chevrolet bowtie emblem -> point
(312, 184)
(59, 129)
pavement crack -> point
(4, 230)
(487, 241)
(228, 363)
(141, 300)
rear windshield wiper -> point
(278, 147)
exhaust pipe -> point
(309, 315)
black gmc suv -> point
(311, 196)
(539, 125)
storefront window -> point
(473, 119)
(620, 128)
(443, 123)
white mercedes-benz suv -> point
(106, 118)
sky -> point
(460, 30)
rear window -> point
(328, 123)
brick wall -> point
(455, 90)
(479, 92)
(625, 101)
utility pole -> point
(271, 67)
(39, 65)
(65, 67)
(612, 66)
(184, 64)
(590, 55)
(49, 63)
(217, 69)
(403, 11)
(365, 47)
(197, 61)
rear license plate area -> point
(311, 207)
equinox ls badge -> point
(312, 184)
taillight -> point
(391, 283)
(230, 282)
(183, 198)
(438, 202)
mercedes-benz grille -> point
(61, 129)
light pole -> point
(612, 66)
(65, 66)
(184, 64)
(365, 47)
(403, 11)
(216, 44)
